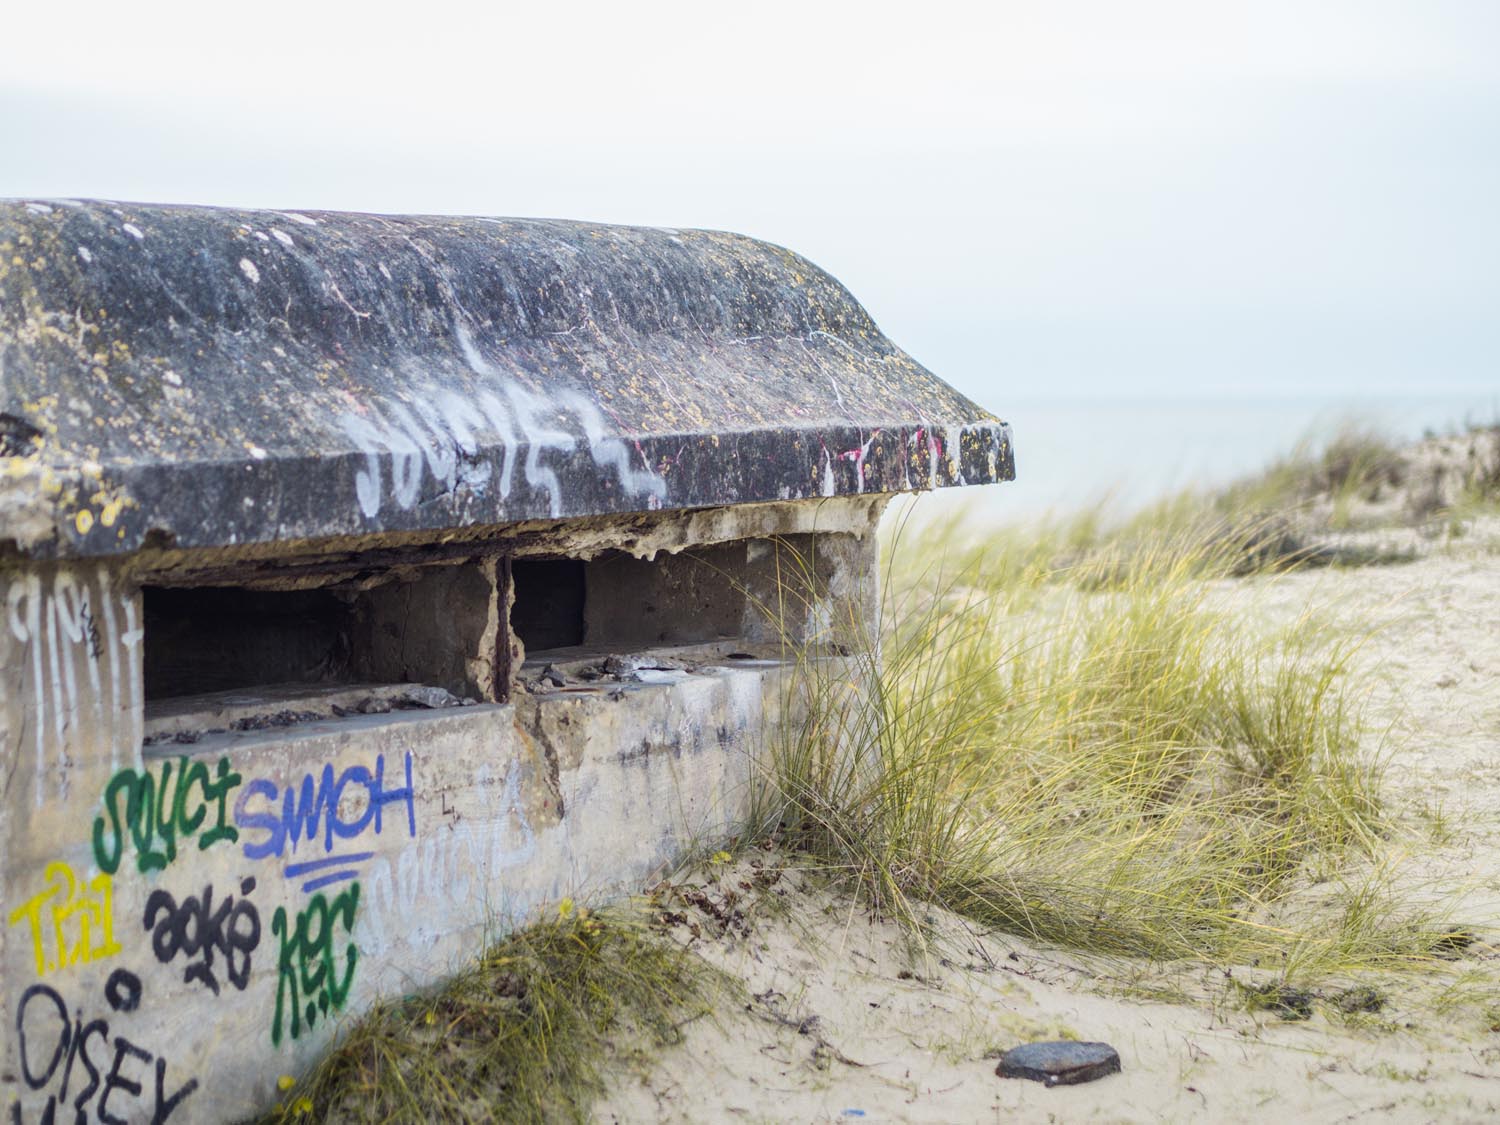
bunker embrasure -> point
(372, 583)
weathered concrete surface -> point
(795, 588)
(442, 627)
(202, 377)
(301, 564)
(196, 918)
(243, 447)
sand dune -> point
(840, 1023)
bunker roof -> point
(212, 377)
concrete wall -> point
(186, 920)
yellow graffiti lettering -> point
(70, 922)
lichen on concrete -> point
(207, 377)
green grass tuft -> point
(527, 1034)
(1094, 756)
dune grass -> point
(1281, 518)
(1356, 463)
(1058, 733)
(1093, 754)
(526, 1034)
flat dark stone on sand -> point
(1060, 1063)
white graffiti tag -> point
(77, 645)
(439, 435)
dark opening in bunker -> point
(432, 626)
(617, 600)
(209, 639)
(549, 602)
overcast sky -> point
(1051, 198)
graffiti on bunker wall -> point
(462, 859)
(437, 434)
(318, 827)
(197, 930)
(79, 648)
(138, 810)
(79, 1065)
(314, 965)
(336, 806)
(70, 920)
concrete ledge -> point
(293, 876)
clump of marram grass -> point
(1115, 766)
(525, 1034)
(1356, 463)
(1277, 520)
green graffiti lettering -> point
(156, 817)
(108, 858)
(218, 794)
(309, 984)
(196, 773)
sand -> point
(841, 1024)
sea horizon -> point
(1126, 451)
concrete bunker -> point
(372, 583)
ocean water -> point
(1127, 452)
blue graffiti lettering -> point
(311, 808)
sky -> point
(1069, 199)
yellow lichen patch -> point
(84, 521)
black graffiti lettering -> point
(120, 1089)
(123, 1048)
(196, 929)
(101, 1029)
(48, 1117)
(67, 1075)
(123, 990)
(91, 631)
(165, 1105)
(62, 1037)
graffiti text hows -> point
(78, 1064)
(154, 813)
(334, 805)
(314, 966)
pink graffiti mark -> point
(922, 435)
(620, 427)
(858, 456)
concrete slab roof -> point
(211, 377)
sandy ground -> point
(839, 1023)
